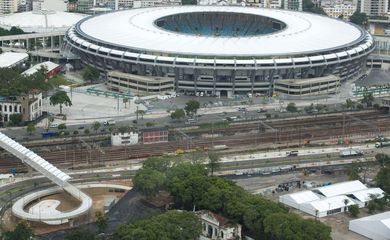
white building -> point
(124, 139)
(11, 59)
(30, 106)
(332, 199)
(155, 3)
(8, 6)
(295, 5)
(374, 7)
(215, 226)
(376, 227)
(335, 9)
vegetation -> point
(308, 6)
(22, 231)
(368, 99)
(354, 210)
(80, 234)
(359, 18)
(12, 31)
(16, 119)
(62, 126)
(90, 74)
(192, 107)
(213, 164)
(96, 125)
(101, 222)
(172, 225)
(383, 159)
(291, 108)
(30, 128)
(189, 2)
(383, 179)
(191, 187)
(178, 114)
(60, 98)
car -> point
(190, 121)
(81, 127)
(242, 109)
(262, 110)
(54, 125)
(109, 122)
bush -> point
(149, 124)
(86, 131)
(62, 126)
(66, 133)
(354, 210)
(75, 132)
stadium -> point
(221, 50)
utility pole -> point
(136, 113)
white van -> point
(191, 121)
(109, 122)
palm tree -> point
(346, 201)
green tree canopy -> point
(90, 74)
(22, 231)
(96, 125)
(16, 119)
(192, 107)
(308, 6)
(354, 210)
(149, 181)
(291, 108)
(359, 18)
(172, 225)
(60, 98)
(213, 164)
(101, 222)
(383, 179)
(178, 114)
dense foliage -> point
(309, 6)
(90, 74)
(60, 98)
(172, 225)
(191, 187)
(359, 18)
(383, 179)
(22, 231)
(12, 83)
(12, 31)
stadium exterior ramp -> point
(51, 172)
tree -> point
(383, 179)
(141, 112)
(368, 98)
(86, 131)
(359, 106)
(346, 201)
(341, 16)
(16, 119)
(192, 107)
(309, 109)
(90, 74)
(149, 181)
(354, 210)
(161, 164)
(30, 128)
(22, 231)
(321, 107)
(80, 234)
(173, 225)
(291, 108)
(359, 18)
(308, 6)
(383, 159)
(350, 104)
(213, 162)
(60, 98)
(96, 125)
(178, 114)
(62, 126)
(125, 101)
(101, 222)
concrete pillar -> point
(51, 42)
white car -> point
(54, 125)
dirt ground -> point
(99, 197)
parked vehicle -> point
(292, 153)
(262, 110)
(382, 144)
(109, 122)
(54, 125)
(351, 153)
(49, 134)
(190, 121)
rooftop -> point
(341, 188)
(48, 65)
(10, 59)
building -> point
(376, 227)
(374, 7)
(331, 199)
(11, 59)
(124, 139)
(154, 135)
(83, 6)
(155, 3)
(30, 106)
(8, 6)
(215, 226)
(52, 69)
(138, 85)
(43, 21)
(295, 5)
(37, 5)
(209, 55)
(336, 9)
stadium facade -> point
(221, 50)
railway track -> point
(286, 132)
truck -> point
(351, 153)
(382, 144)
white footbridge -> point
(51, 172)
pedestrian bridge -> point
(51, 172)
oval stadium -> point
(221, 50)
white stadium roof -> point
(40, 21)
(304, 33)
(375, 227)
